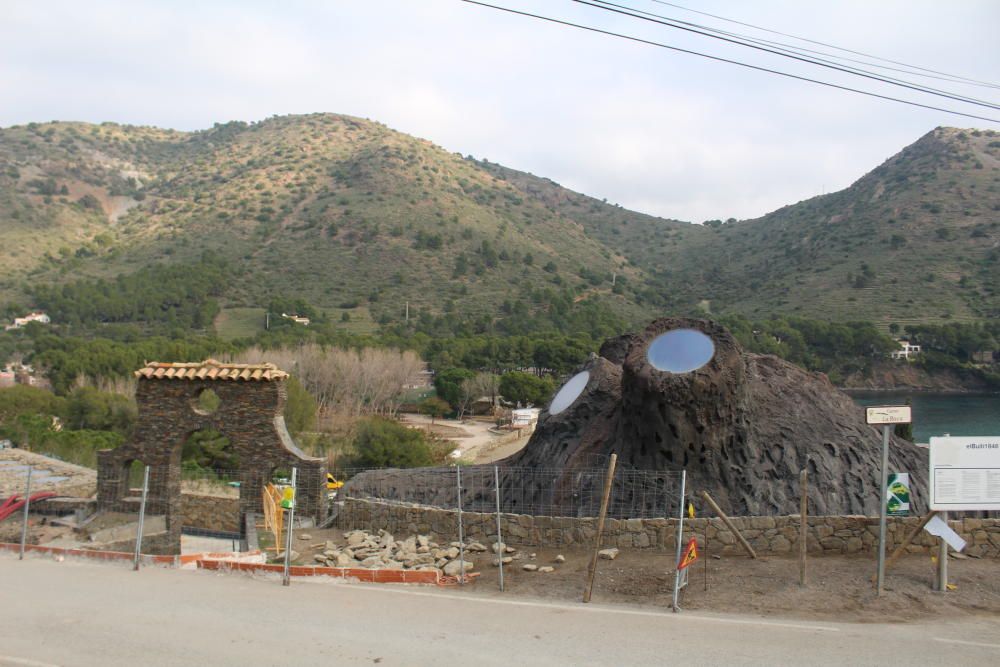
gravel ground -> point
(838, 587)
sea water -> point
(940, 414)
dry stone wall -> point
(767, 534)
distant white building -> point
(19, 322)
(906, 350)
(304, 321)
(524, 417)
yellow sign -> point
(690, 554)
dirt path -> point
(472, 438)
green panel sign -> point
(897, 494)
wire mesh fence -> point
(529, 506)
(555, 492)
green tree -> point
(518, 387)
(448, 384)
(300, 407)
(208, 449)
(25, 400)
(89, 408)
(434, 407)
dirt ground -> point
(838, 587)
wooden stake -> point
(592, 570)
(906, 541)
(803, 525)
(729, 524)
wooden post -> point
(729, 524)
(592, 570)
(803, 524)
(906, 541)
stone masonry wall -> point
(767, 535)
(214, 513)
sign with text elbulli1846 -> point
(965, 473)
(888, 414)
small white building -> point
(304, 321)
(524, 417)
(906, 350)
(19, 322)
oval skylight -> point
(569, 392)
(680, 351)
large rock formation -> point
(742, 425)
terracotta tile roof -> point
(210, 369)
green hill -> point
(915, 240)
(335, 210)
(353, 217)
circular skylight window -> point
(680, 351)
(569, 392)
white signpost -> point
(965, 473)
(889, 414)
(886, 415)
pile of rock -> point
(417, 552)
(383, 551)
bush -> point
(384, 443)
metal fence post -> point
(285, 577)
(500, 550)
(886, 429)
(461, 536)
(142, 517)
(27, 506)
(680, 536)
(943, 560)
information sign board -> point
(965, 473)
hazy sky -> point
(654, 130)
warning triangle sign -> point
(690, 554)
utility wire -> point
(832, 46)
(667, 21)
(726, 60)
(804, 50)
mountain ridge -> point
(341, 210)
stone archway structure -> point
(250, 414)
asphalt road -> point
(85, 613)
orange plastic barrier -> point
(274, 516)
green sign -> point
(897, 494)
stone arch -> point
(249, 413)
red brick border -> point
(219, 562)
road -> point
(85, 613)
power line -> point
(666, 21)
(726, 60)
(804, 50)
(832, 46)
